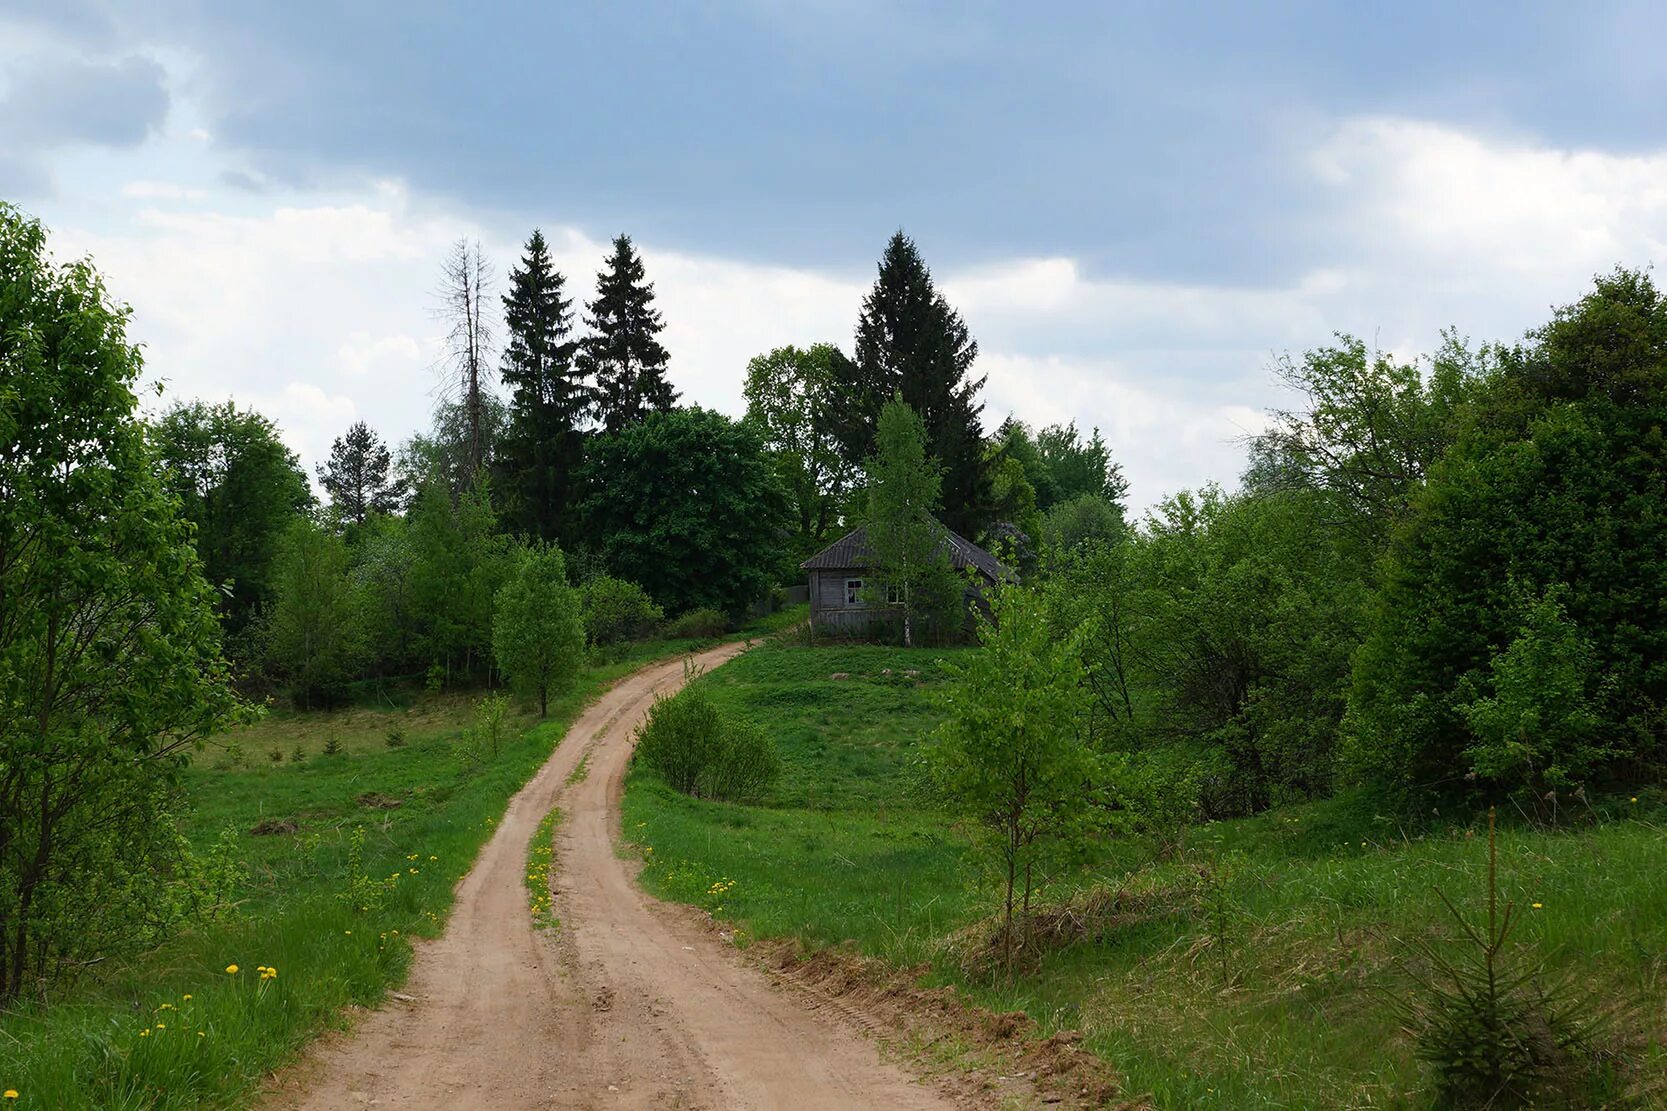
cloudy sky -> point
(1135, 206)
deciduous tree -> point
(241, 487)
(688, 505)
(538, 633)
(911, 558)
(110, 666)
(792, 394)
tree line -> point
(157, 573)
(1437, 587)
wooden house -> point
(841, 572)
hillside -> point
(1248, 969)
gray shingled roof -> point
(852, 550)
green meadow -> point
(1255, 968)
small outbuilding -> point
(840, 573)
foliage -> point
(616, 610)
(459, 560)
(315, 628)
(110, 663)
(538, 631)
(1309, 899)
(240, 486)
(701, 751)
(1077, 468)
(542, 446)
(1555, 488)
(443, 454)
(1371, 429)
(910, 342)
(1498, 1031)
(356, 476)
(688, 505)
(1533, 718)
(911, 559)
(1013, 754)
(1225, 626)
(1082, 520)
(793, 394)
(622, 353)
(698, 624)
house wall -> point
(827, 600)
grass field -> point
(173, 1027)
(1254, 971)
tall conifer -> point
(543, 445)
(911, 342)
(622, 353)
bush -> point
(700, 751)
(616, 610)
(698, 625)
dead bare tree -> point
(467, 361)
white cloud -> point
(318, 309)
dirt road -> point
(629, 1003)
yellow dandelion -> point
(10, 1093)
(1539, 906)
(186, 997)
(1634, 798)
(349, 933)
(231, 970)
(162, 1026)
(200, 1034)
(145, 1033)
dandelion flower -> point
(231, 970)
(186, 997)
(200, 1034)
(11, 1093)
(1539, 906)
(145, 1033)
(1634, 798)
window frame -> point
(853, 592)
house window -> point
(894, 595)
(853, 592)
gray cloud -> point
(74, 101)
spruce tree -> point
(622, 353)
(911, 342)
(543, 445)
(356, 476)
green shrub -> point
(616, 610)
(700, 751)
(698, 625)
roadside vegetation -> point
(334, 836)
(1246, 967)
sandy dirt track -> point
(629, 1003)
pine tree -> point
(911, 342)
(543, 445)
(356, 477)
(622, 353)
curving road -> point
(630, 1003)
